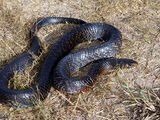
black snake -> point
(59, 64)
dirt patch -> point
(126, 94)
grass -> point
(142, 99)
(126, 94)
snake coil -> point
(59, 64)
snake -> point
(60, 62)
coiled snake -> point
(59, 64)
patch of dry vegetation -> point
(127, 94)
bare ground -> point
(126, 94)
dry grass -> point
(129, 94)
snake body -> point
(59, 64)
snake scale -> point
(60, 63)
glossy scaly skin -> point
(59, 76)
